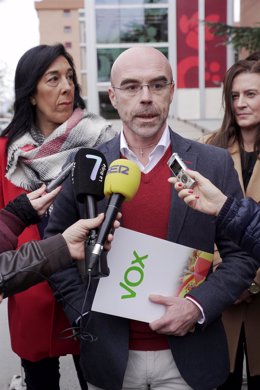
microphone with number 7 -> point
(121, 184)
(88, 180)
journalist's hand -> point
(40, 200)
(204, 196)
(75, 235)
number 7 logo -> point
(98, 161)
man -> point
(186, 347)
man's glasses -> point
(155, 87)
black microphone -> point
(88, 178)
(121, 183)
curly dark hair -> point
(30, 68)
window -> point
(68, 45)
(107, 111)
(83, 56)
(132, 25)
(82, 32)
(121, 2)
(66, 13)
(84, 84)
(106, 57)
(67, 29)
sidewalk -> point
(10, 362)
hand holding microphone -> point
(121, 184)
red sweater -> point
(148, 212)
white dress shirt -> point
(155, 155)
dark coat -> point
(240, 220)
(34, 260)
(202, 356)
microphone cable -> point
(75, 331)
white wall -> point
(188, 103)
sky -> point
(19, 31)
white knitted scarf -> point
(30, 164)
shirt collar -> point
(154, 156)
(162, 144)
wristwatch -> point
(254, 288)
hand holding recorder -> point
(40, 200)
(178, 169)
(59, 179)
(203, 196)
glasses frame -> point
(133, 93)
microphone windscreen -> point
(89, 174)
(123, 177)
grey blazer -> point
(202, 356)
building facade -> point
(250, 13)
(95, 32)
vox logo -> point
(133, 276)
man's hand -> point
(244, 297)
(40, 200)
(180, 317)
(75, 236)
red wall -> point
(188, 42)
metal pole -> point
(172, 53)
(230, 22)
(91, 53)
(201, 29)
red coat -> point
(35, 318)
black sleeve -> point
(22, 208)
(240, 220)
(32, 263)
